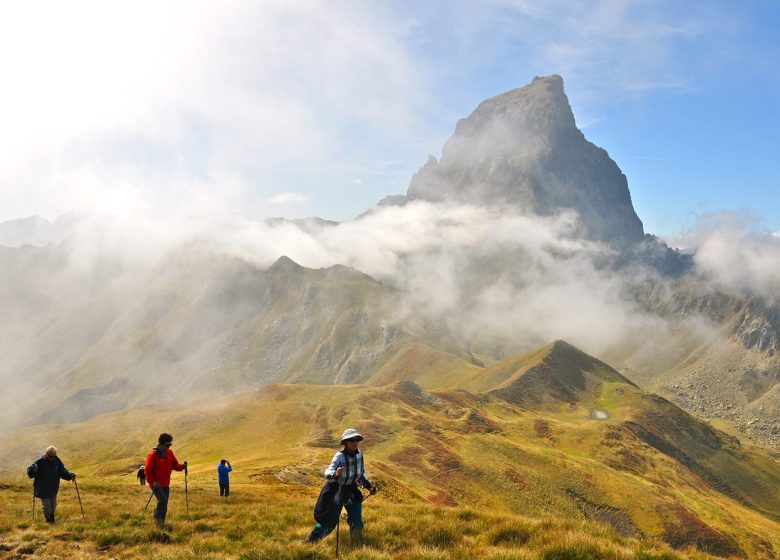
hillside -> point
(200, 323)
(95, 324)
(595, 448)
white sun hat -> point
(350, 433)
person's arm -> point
(177, 466)
(32, 470)
(363, 481)
(229, 467)
(65, 474)
(336, 467)
(149, 470)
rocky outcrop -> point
(756, 331)
(523, 149)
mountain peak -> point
(285, 264)
(540, 107)
(523, 149)
(554, 374)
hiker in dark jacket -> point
(141, 475)
(223, 470)
(47, 472)
(159, 464)
(347, 470)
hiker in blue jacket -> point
(348, 471)
(224, 478)
(47, 472)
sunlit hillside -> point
(584, 457)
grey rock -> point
(523, 149)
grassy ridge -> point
(451, 449)
(561, 445)
(270, 521)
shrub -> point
(510, 536)
(205, 528)
(440, 538)
(285, 554)
(467, 515)
(572, 552)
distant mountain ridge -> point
(83, 340)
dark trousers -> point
(224, 489)
(161, 510)
(49, 505)
(354, 520)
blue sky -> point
(300, 108)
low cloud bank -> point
(498, 281)
(734, 255)
(489, 272)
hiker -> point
(141, 475)
(47, 472)
(345, 473)
(224, 478)
(159, 464)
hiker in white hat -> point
(345, 473)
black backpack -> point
(324, 501)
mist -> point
(166, 296)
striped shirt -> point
(353, 473)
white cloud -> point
(136, 96)
(745, 262)
(449, 260)
(289, 198)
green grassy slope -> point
(603, 452)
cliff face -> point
(523, 149)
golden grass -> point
(260, 521)
(552, 483)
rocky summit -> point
(523, 149)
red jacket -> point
(158, 469)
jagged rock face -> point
(523, 149)
(757, 331)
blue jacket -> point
(222, 471)
(47, 479)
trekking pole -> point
(33, 506)
(186, 491)
(84, 517)
(147, 506)
(338, 523)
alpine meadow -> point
(504, 362)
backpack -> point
(324, 501)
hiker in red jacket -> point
(159, 464)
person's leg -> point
(322, 530)
(221, 488)
(48, 506)
(161, 494)
(227, 489)
(355, 519)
